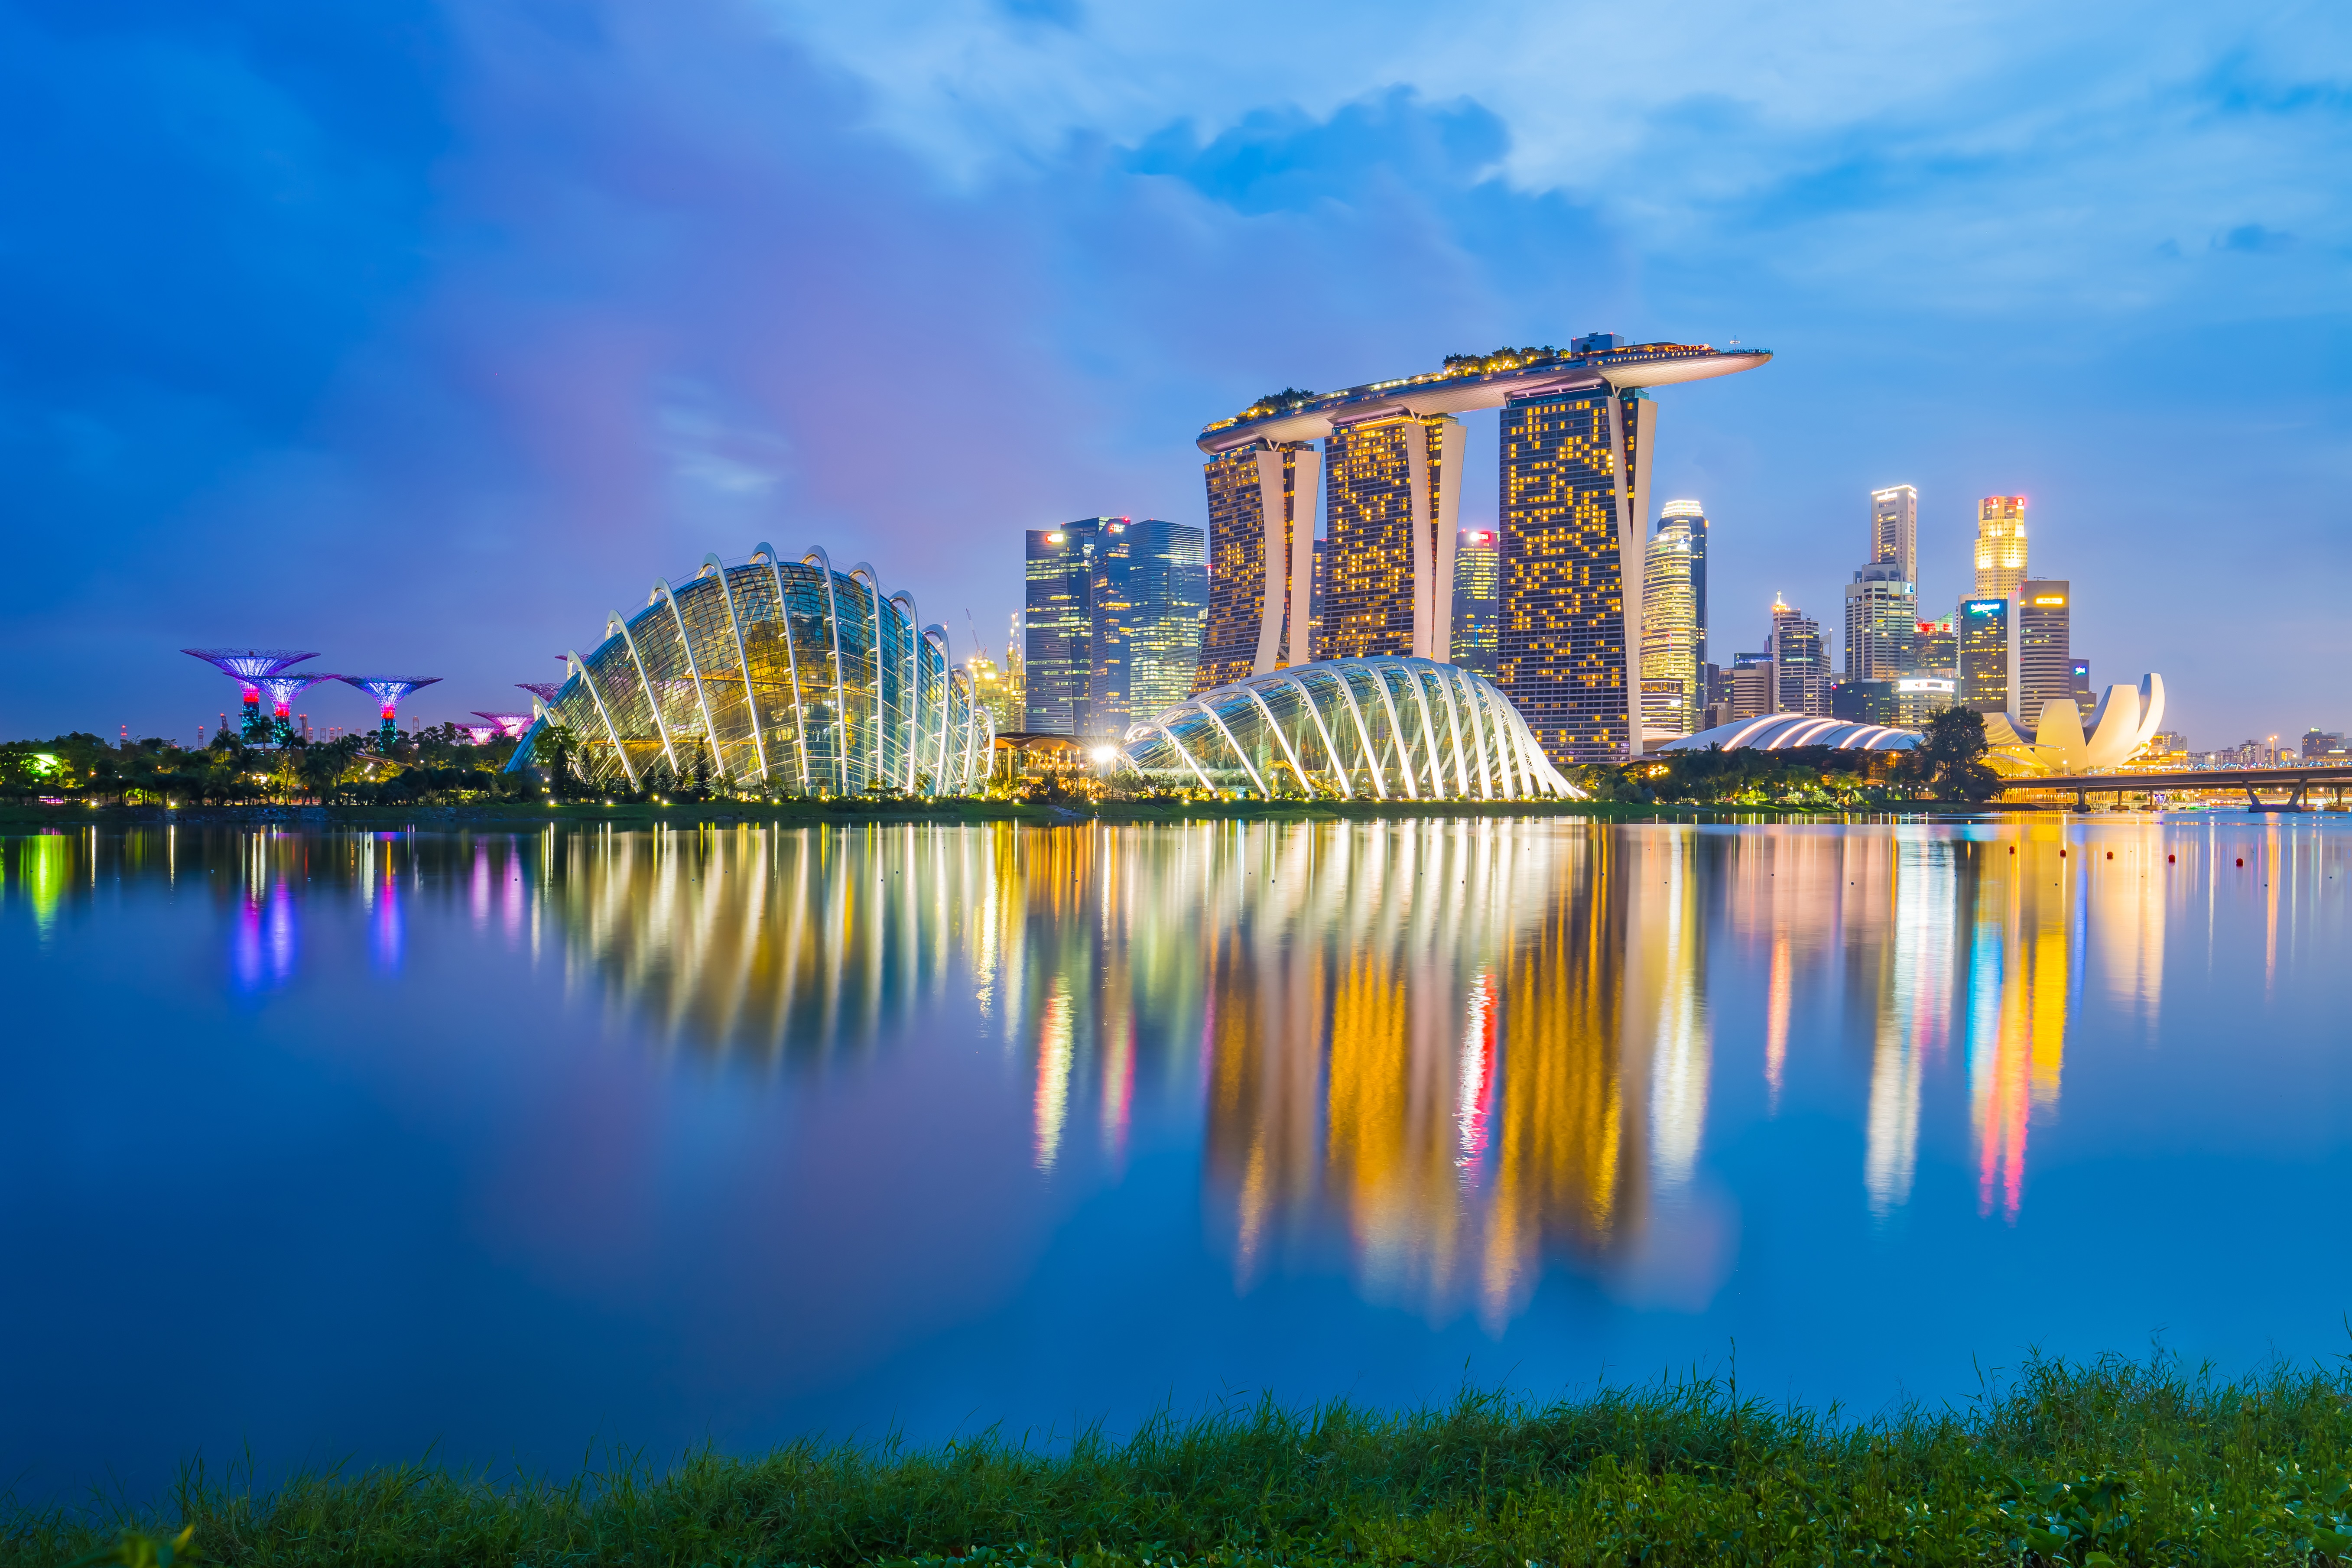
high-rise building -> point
(1988, 650)
(1478, 598)
(1261, 540)
(2045, 660)
(1671, 689)
(1936, 647)
(1061, 615)
(2082, 668)
(1753, 686)
(2001, 546)
(1578, 429)
(1801, 662)
(1693, 516)
(1882, 615)
(1151, 590)
(994, 693)
(1576, 477)
(1895, 530)
(1389, 505)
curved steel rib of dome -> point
(1361, 729)
(1786, 732)
(795, 677)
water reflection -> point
(1451, 1054)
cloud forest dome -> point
(1478, 380)
(792, 678)
(1361, 729)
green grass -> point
(2068, 1463)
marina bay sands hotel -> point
(1578, 429)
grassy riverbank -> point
(2134, 1462)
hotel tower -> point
(1579, 428)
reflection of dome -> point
(1786, 732)
(1384, 729)
(787, 677)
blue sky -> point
(424, 335)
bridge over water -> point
(2296, 780)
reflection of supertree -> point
(283, 689)
(389, 690)
(246, 666)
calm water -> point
(344, 1145)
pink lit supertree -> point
(389, 690)
(248, 666)
(283, 689)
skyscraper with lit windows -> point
(1061, 615)
(1576, 470)
(1150, 589)
(1881, 615)
(1670, 660)
(1391, 503)
(1989, 655)
(2001, 546)
(1800, 660)
(1895, 530)
(2045, 656)
(1477, 587)
(1261, 559)
(1693, 516)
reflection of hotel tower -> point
(1577, 432)
(1469, 1084)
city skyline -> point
(285, 343)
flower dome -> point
(776, 676)
(1361, 729)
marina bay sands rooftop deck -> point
(1480, 383)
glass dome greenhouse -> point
(1358, 729)
(790, 678)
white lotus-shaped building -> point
(2125, 718)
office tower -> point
(1800, 663)
(1882, 617)
(1478, 598)
(2001, 546)
(1150, 589)
(1895, 530)
(1389, 506)
(2045, 661)
(1576, 481)
(1670, 661)
(995, 694)
(2082, 668)
(1060, 612)
(1261, 534)
(1988, 652)
(1753, 686)
(1935, 647)
(1693, 516)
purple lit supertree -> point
(246, 666)
(511, 725)
(283, 689)
(544, 690)
(389, 690)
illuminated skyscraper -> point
(1801, 662)
(1882, 612)
(1988, 650)
(1577, 431)
(1693, 516)
(2001, 546)
(1670, 661)
(1936, 647)
(1390, 508)
(1895, 530)
(2045, 660)
(1261, 559)
(1575, 472)
(1478, 598)
(1150, 589)
(1061, 563)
